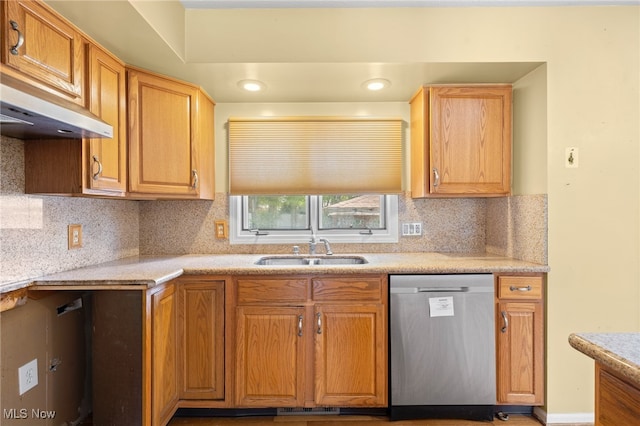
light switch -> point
(571, 158)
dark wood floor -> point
(514, 420)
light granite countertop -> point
(148, 271)
(619, 352)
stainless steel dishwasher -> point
(442, 346)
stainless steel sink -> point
(311, 260)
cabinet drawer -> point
(276, 290)
(520, 287)
(347, 288)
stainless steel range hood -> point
(26, 113)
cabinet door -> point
(350, 355)
(105, 158)
(50, 51)
(520, 353)
(470, 140)
(201, 313)
(270, 356)
(164, 354)
(162, 136)
(617, 402)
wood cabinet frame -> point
(461, 141)
(52, 55)
(312, 301)
(520, 339)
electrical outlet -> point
(28, 376)
(412, 229)
(75, 236)
(221, 229)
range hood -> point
(26, 113)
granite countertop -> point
(148, 271)
(619, 352)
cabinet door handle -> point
(319, 316)
(505, 321)
(514, 288)
(96, 175)
(194, 172)
(300, 325)
(436, 177)
(18, 45)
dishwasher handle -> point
(443, 289)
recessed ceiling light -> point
(376, 84)
(251, 85)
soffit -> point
(328, 63)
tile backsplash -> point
(33, 229)
(181, 227)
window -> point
(282, 219)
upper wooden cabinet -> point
(88, 166)
(461, 141)
(170, 137)
(41, 47)
(105, 159)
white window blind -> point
(315, 155)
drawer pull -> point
(18, 45)
(514, 288)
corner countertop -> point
(148, 271)
(620, 352)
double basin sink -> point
(301, 260)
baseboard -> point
(564, 418)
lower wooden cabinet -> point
(305, 342)
(348, 354)
(201, 338)
(270, 356)
(164, 353)
(155, 350)
(617, 400)
(520, 339)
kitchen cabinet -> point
(461, 141)
(617, 400)
(270, 356)
(164, 353)
(135, 355)
(520, 339)
(311, 341)
(201, 308)
(42, 48)
(88, 166)
(170, 138)
(105, 159)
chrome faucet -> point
(313, 242)
(327, 246)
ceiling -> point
(301, 53)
